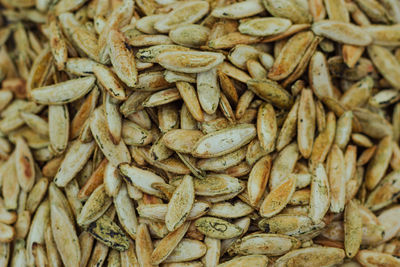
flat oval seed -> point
(379, 163)
(189, 12)
(217, 228)
(264, 26)
(290, 56)
(341, 32)
(267, 128)
(190, 61)
(24, 165)
(271, 91)
(264, 244)
(320, 194)
(352, 229)
(375, 258)
(191, 35)
(306, 123)
(141, 179)
(289, 9)
(251, 260)
(64, 92)
(180, 204)
(314, 256)
(278, 198)
(386, 63)
(238, 10)
(116, 154)
(222, 142)
(217, 184)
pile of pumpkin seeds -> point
(199, 133)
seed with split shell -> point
(264, 26)
(189, 61)
(342, 32)
(64, 92)
(217, 228)
(186, 13)
(313, 256)
(264, 244)
(224, 141)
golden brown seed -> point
(379, 163)
(306, 123)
